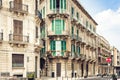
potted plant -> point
(114, 77)
(30, 76)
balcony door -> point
(18, 4)
(18, 30)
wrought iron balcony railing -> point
(16, 7)
(0, 3)
(1, 36)
(18, 38)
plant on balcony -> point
(31, 76)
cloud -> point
(109, 26)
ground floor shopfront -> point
(66, 67)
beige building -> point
(68, 34)
(104, 52)
(18, 44)
(116, 61)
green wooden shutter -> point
(77, 33)
(54, 4)
(64, 4)
(43, 12)
(63, 47)
(54, 48)
(58, 27)
(79, 50)
(62, 25)
(61, 4)
(51, 4)
(53, 22)
(72, 30)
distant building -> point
(116, 61)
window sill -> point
(18, 68)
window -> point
(77, 33)
(42, 31)
(94, 29)
(72, 11)
(73, 48)
(90, 27)
(57, 4)
(17, 60)
(18, 30)
(77, 14)
(59, 46)
(72, 32)
(87, 24)
(58, 26)
(36, 32)
(78, 50)
(43, 12)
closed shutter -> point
(51, 4)
(62, 25)
(72, 30)
(58, 27)
(17, 4)
(54, 4)
(53, 23)
(18, 30)
(43, 12)
(77, 33)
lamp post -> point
(108, 60)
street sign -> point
(108, 60)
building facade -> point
(19, 54)
(116, 61)
(68, 34)
(104, 52)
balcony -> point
(42, 36)
(58, 12)
(0, 4)
(57, 54)
(83, 56)
(73, 37)
(18, 39)
(52, 33)
(79, 39)
(19, 8)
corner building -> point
(68, 34)
(19, 54)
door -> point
(18, 4)
(18, 30)
(58, 67)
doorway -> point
(58, 71)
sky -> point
(107, 14)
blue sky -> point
(107, 14)
(95, 6)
